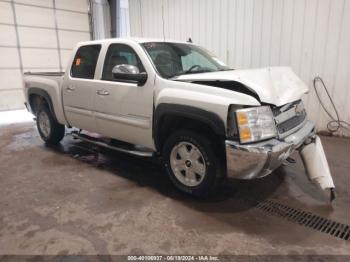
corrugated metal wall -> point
(101, 19)
(311, 36)
(37, 35)
(124, 18)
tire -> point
(49, 129)
(195, 171)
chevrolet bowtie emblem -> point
(299, 109)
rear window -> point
(84, 63)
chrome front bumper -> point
(260, 159)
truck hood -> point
(273, 85)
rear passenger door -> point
(79, 90)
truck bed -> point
(49, 85)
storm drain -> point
(307, 219)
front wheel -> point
(191, 162)
(49, 129)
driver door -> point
(123, 109)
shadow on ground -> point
(231, 196)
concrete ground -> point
(66, 200)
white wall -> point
(37, 35)
(101, 19)
(311, 36)
(124, 18)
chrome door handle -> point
(102, 92)
(70, 88)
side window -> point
(118, 54)
(84, 63)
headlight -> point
(255, 123)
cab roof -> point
(130, 39)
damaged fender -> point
(316, 165)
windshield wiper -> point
(191, 72)
(226, 69)
(197, 71)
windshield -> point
(174, 59)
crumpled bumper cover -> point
(260, 159)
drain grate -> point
(307, 219)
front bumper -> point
(260, 159)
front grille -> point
(291, 123)
(287, 118)
(277, 109)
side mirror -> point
(129, 73)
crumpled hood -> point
(273, 85)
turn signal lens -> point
(245, 134)
(242, 118)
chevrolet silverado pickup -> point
(178, 101)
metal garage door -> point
(37, 35)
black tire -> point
(55, 132)
(212, 163)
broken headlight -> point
(255, 124)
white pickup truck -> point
(178, 101)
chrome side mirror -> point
(125, 69)
(129, 73)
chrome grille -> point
(289, 116)
(291, 123)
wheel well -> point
(35, 101)
(170, 123)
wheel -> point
(191, 163)
(49, 129)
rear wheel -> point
(191, 162)
(49, 129)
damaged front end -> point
(260, 141)
(316, 165)
(294, 132)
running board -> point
(94, 141)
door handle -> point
(70, 88)
(102, 92)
